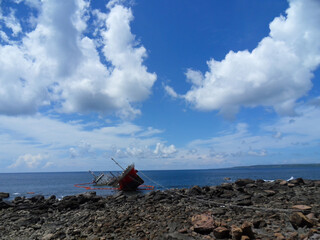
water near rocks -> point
(244, 209)
(62, 184)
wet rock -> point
(4, 195)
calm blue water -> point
(62, 184)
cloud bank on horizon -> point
(276, 73)
(66, 67)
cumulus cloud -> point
(276, 73)
(59, 64)
(164, 151)
(28, 160)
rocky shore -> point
(244, 209)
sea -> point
(62, 184)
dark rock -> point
(259, 223)
(221, 232)
(4, 195)
(159, 196)
(218, 211)
(269, 193)
(243, 182)
(37, 198)
(297, 181)
(226, 186)
(236, 232)
(5, 204)
(178, 236)
(245, 202)
(247, 230)
(298, 219)
(259, 181)
(195, 190)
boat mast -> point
(117, 163)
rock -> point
(165, 214)
(243, 182)
(279, 236)
(297, 181)
(37, 198)
(4, 195)
(259, 223)
(283, 183)
(218, 211)
(5, 204)
(203, 223)
(245, 237)
(247, 229)
(298, 219)
(177, 236)
(195, 190)
(221, 232)
(227, 186)
(236, 232)
(48, 236)
(302, 207)
(245, 202)
(269, 193)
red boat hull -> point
(130, 181)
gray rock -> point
(243, 182)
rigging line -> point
(153, 181)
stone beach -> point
(244, 209)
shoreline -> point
(244, 209)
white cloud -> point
(28, 160)
(170, 91)
(276, 73)
(11, 22)
(74, 145)
(273, 142)
(164, 151)
(56, 64)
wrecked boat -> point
(128, 180)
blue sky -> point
(164, 84)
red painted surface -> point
(130, 181)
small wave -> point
(290, 178)
(16, 193)
(268, 180)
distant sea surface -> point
(62, 184)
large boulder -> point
(298, 219)
(203, 223)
